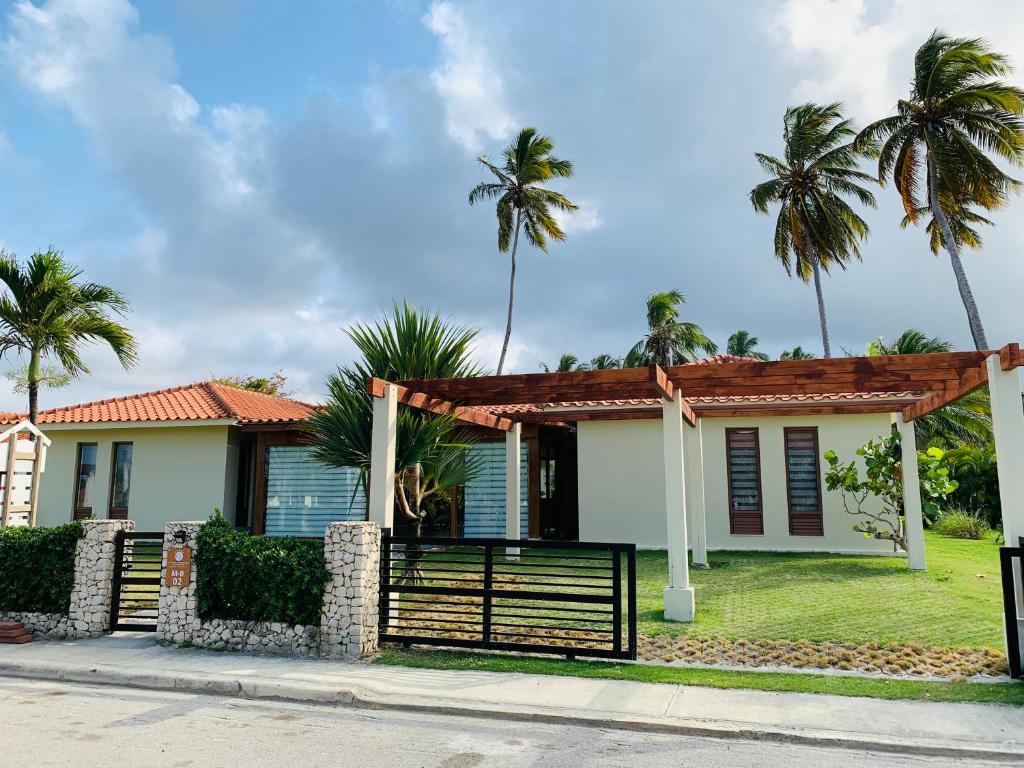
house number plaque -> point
(179, 567)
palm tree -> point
(743, 344)
(46, 313)
(796, 353)
(604, 362)
(968, 421)
(523, 204)
(566, 363)
(957, 111)
(669, 340)
(431, 451)
(816, 228)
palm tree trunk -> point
(32, 383)
(821, 307)
(973, 316)
(511, 292)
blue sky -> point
(257, 175)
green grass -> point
(956, 603)
(999, 693)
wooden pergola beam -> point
(1011, 357)
(425, 402)
(973, 379)
(660, 381)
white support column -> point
(693, 451)
(381, 503)
(513, 508)
(1008, 428)
(678, 595)
(913, 517)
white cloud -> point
(586, 219)
(467, 80)
(862, 53)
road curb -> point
(261, 689)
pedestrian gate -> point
(136, 586)
(1011, 561)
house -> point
(588, 469)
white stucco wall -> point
(621, 482)
(178, 473)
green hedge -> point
(257, 578)
(37, 568)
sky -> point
(257, 176)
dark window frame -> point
(804, 517)
(118, 513)
(746, 516)
(77, 512)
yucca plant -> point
(958, 112)
(816, 228)
(432, 450)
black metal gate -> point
(1011, 565)
(566, 598)
(136, 587)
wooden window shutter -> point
(743, 463)
(803, 482)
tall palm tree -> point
(743, 344)
(523, 204)
(816, 228)
(46, 313)
(796, 353)
(958, 110)
(669, 340)
(431, 451)
(968, 421)
(604, 362)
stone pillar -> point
(349, 620)
(89, 612)
(178, 614)
(678, 595)
(913, 517)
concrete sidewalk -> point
(979, 730)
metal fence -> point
(136, 587)
(566, 598)
(1011, 565)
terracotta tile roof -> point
(202, 401)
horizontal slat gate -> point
(567, 598)
(136, 586)
(1011, 562)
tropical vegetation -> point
(48, 313)
(816, 228)
(272, 384)
(669, 340)
(523, 204)
(958, 112)
(742, 344)
(432, 450)
(796, 353)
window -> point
(120, 480)
(803, 483)
(743, 463)
(85, 480)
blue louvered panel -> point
(485, 494)
(303, 495)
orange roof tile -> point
(202, 401)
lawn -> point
(956, 603)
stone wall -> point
(89, 611)
(348, 621)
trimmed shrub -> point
(961, 524)
(37, 568)
(257, 578)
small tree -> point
(274, 384)
(883, 480)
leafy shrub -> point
(961, 524)
(257, 578)
(974, 470)
(37, 568)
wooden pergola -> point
(908, 386)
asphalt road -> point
(52, 724)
